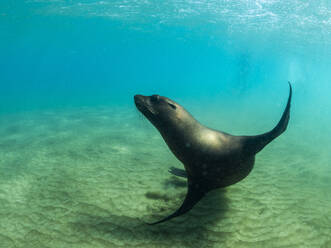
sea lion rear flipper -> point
(178, 172)
(254, 144)
(193, 196)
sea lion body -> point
(209, 156)
(212, 159)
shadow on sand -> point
(189, 230)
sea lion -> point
(212, 159)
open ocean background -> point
(80, 167)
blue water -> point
(228, 62)
(56, 53)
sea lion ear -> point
(172, 105)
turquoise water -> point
(81, 167)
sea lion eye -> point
(172, 105)
(155, 98)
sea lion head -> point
(162, 112)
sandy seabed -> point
(93, 177)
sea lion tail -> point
(193, 196)
(254, 144)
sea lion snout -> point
(139, 101)
(145, 104)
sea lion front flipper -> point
(193, 196)
(178, 172)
